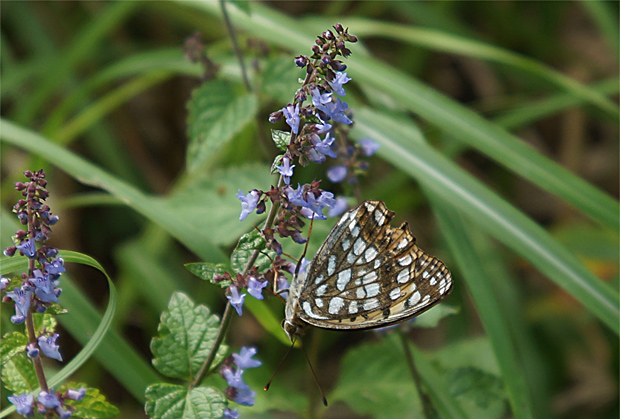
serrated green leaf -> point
(94, 404)
(186, 335)
(432, 317)
(481, 393)
(247, 244)
(11, 344)
(216, 114)
(205, 270)
(18, 374)
(281, 139)
(44, 321)
(171, 401)
(374, 381)
(276, 162)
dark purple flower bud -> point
(32, 351)
(261, 207)
(298, 238)
(49, 347)
(76, 395)
(338, 27)
(244, 358)
(276, 247)
(351, 38)
(53, 220)
(3, 283)
(9, 251)
(48, 400)
(338, 65)
(24, 404)
(20, 186)
(301, 61)
(316, 49)
(337, 174)
(28, 174)
(275, 116)
(326, 59)
(28, 248)
(236, 300)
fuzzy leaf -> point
(276, 162)
(246, 245)
(11, 344)
(171, 401)
(94, 404)
(18, 374)
(216, 114)
(204, 270)
(281, 138)
(44, 321)
(479, 392)
(186, 334)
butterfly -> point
(365, 275)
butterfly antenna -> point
(305, 247)
(278, 367)
(315, 379)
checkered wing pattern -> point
(368, 274)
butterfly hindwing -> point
(368, 274)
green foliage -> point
(432, 317)
(12, 344)
(186, 334)
(281, 139)
(44, 321)
(171, 401)
(206, 271)
(94, 404)
(18, 374)
(248, 243)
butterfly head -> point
(293, 330)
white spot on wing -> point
(425, 275)
(321, 290)
(370, 254)
(405, 260)
(395, 293)
(359, 246)
(413, 300)
(343, 279)
(369, 277)
(351, 258)
(371, 304)
(433, 281)
(377, 263)
(308, 310)
(372, 290)
(359, 293)
(353, 307)
(442, 286)
(318, 302)
(379, 217)
(346, 243)
(318, 279)
(335, 305)
(402, 244)
(331, 265)
(403, 276)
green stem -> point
(235, 45)
(427, 406)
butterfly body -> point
(366, 274)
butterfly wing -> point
(368, 274)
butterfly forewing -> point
(368, 274)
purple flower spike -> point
(234, 379)
(28, 248)
(286, 170)
(339, 80)
(324, 146)
(248, 202)
(235, 299)
(244, 358)
(295, 196)
(292, 117)
(44, 288)
(55, 267)
(49, 347)
(230, 414)
(255, 288)
(24, 404)
(369, 146)
(337, 174)
(48, 400)
(245, 397)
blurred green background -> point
(498, 123)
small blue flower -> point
(336, 111)
(55, 267)
(230, 414)
(234, 378)
(32, 351)
(295, 196)
(336, 84)
(44, 289)
(324, 146)
(339, 207)
(292, 117)
(326, 199)
(22, 298)
(235, 299)
(245, 397)
(255, 288)
(323, 127)
(24, 404)
(49, 347)
(369, 146)
(28, 248)
(244, 358)
(76, 395)
(337, 173)
(282, 284)
(320, 101)
(314, 209)
(48, 400)
(3, 283)
(286, 170)
(62, 413)
(248, 202)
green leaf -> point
(276, 162)
(186, 335)
(482, 392)
(281, 139)
(44, 321)
(432, 317)
(248, 243)
(11, 344)
(374, 381)
(205, 270)
(94, 404)
(171, 401)
(216, 114)
(18, 374)
(280, 78)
